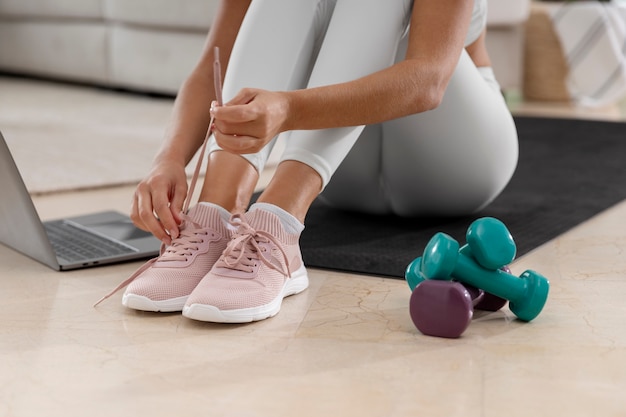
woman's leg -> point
(262, 263)
(353, 47)
(357, 183)
(453, 160)
(456, 159)
(274, 50)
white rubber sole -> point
(139, 302)
(298, 282)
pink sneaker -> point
(164, 283)
(261, 265)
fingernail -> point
(173, 233)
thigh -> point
(362, 37)
(274, 50)
(275, 45)
(455, 159)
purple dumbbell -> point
(443, 308)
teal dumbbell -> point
(484, 301)
(490, 243)
(413, 273)
(443, 260)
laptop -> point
(65, 244)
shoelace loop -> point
(186, 243)
(246, 247)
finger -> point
(236, 143)
(234, 113)
(161, 207)
(146, 213)
(237, 131)
(214, 105)
(178, 199)
(231, 116)
(243, 96)
(134, 213)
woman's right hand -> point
(158, 200)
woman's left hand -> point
(250, 120)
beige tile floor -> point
(344, 347)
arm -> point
(164, 189)
(411, 86)
(417, 84)
(190, 119)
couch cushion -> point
(152, 60)
(57, 8)
(185, 14)
(74, 52)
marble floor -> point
(345, 347)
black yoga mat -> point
(569, 171)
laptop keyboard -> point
(76, 244)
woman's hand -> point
(158, 200)
(250, 120)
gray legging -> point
(453, 160)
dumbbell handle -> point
(496, 282)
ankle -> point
(290, 223)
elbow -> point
(432, 98)
(426, 99)
(428, 95)
(436, 89)
(429, 86)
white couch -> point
(151, 45)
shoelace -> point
(184, 243)
(244, 249)
(181, 248)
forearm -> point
(190, 115)
(189, 122)
(408, 87)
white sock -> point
(290, 223)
